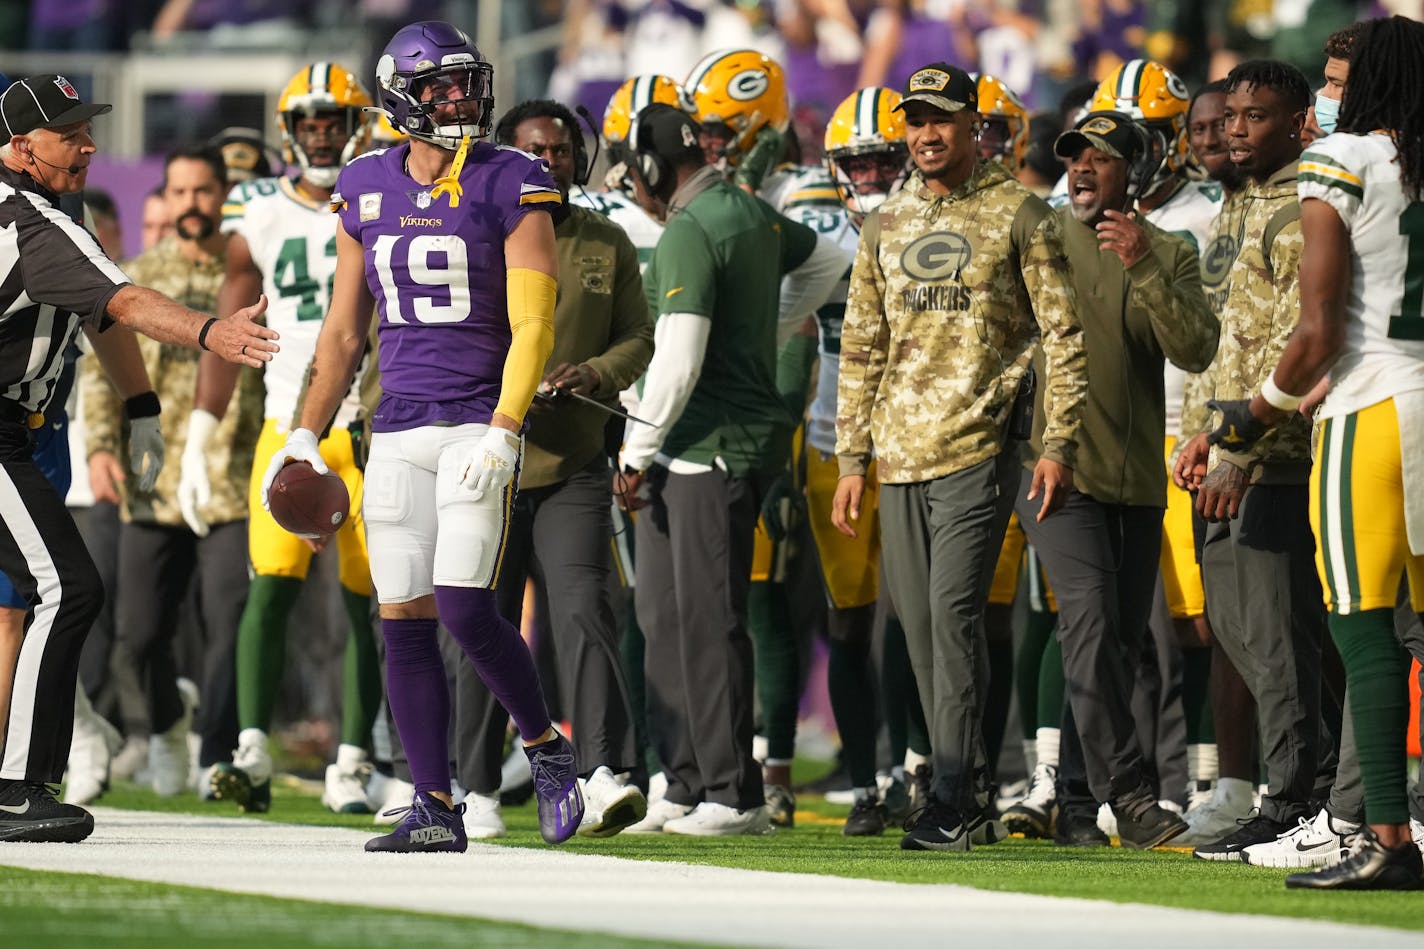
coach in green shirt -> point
(719, 432)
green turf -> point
(816, 845)
(58, 910)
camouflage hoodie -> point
(940, 329)
(1259, 310)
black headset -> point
(583, 164)
(653, 167)
(1142, 167)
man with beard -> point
(158, 553)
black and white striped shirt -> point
(53, 278)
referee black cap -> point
(44, 102)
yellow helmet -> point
(1153, 95)
(742, 89)
(324, 87)
(866, 152)
(384, 134)
(634, 96)
(1004, 123)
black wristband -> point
(203, 333)
(143, 405)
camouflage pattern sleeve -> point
(864, 337)
(1182, 322)
(102, 408)
(1196, 417)
(1044, 264)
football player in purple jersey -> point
(448, 239)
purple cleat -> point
(428, 827)
(556, 787)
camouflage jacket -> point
(174, 373)
(940, 329)
(1259, 305)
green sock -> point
(778, 680)
(1377, 681)
(1196, 695)
(262, 647)
(362, 696)
(1027, 664)
(1050, 683)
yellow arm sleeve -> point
(531, 320)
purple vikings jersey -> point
(438, 275)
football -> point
(305, 502)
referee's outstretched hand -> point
(241, 339)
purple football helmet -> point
(434, 84)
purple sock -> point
(419, 699)
(498, 654)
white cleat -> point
(169, 763)
(659, 813)
(483, 820)
(385, 794)
(1320, 842)
(346, 780)
(1107, 820)
(610, 804)
(131, 759)
(94, 745)
(1416, 830)
(720, 820)
(657, 787)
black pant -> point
(1101, 561)
(156, 565)
(560, 535)
(44, 556)
(694, 570)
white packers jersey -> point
(292, 240)
(1188, 214)
(622, 210)
(790, 186)
(834, 222)
(1383, 352)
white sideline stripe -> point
(643, 898)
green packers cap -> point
(1109, 132)
(943, 86)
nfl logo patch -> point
(422, 200)
(369, 206)
(67, 88)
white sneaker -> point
(515, 780)
(483, 820)
(1320, 842)
(659, 813)
(345, 791)
(94, 744)
(610, 804)
(1107, 820)
(1218, 817)
(168, 761)
(719, 820)
(131, 759)
(385, 794)
(657, 787)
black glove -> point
(779, 508)
(1239, 429)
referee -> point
(55, 278)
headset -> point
(583, 164)
(652, 167)
(1143, 166)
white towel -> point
(1410, 408)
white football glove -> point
(194, 489)
(145, 445)
(300, 446)
(491, 463)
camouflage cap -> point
(1111, 133)
(943, 86)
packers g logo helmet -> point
(743, 90)
(864, 129)
(1004, 121)
(1153, 95)
(317, 89)
(634, 96)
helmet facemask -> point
(866, 176)
(442, 105)
(321, 163)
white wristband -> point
(1272, 393)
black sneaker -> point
(917, 782)
(868, 818)
(31, 813)
(1257, 830)
(1370, 866)
(1074, 829)
(1142, 828)
(985, 828)
(936, 826)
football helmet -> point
(743, 90)
(384, 134)
(634, 96)
(1004, 123)
(1153, 95)
(435, 85)
(866, 152)
(324, 88)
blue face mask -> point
(1327, 113)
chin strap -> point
(450, 184)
